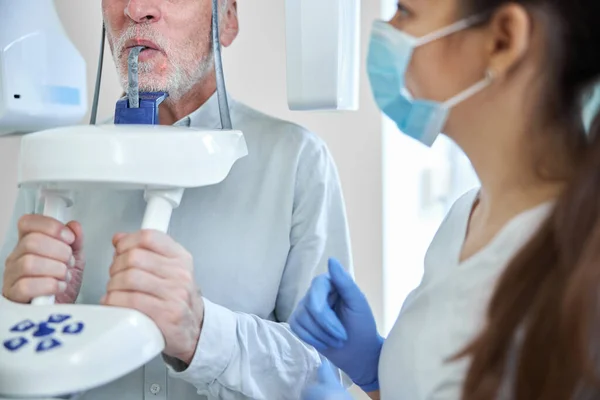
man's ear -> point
(230, 26)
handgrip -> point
(159, 207)
(55, 206)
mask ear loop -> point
(490, 75)
(449, 30)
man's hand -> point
(153, 274)
(47, 260)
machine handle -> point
(56, 203)
(159, 207)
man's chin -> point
(148, 82)
(153, 87)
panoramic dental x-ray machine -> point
(48, 350)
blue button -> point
(47, 344)
(43, 330)
(23, 326)
(15, 344)
(58, 318)
(74, 328)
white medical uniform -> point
(446, 311)
(257, 239)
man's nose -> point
(142, 11)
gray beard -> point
(176, 85)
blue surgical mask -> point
(390, 52)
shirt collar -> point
(207, 116)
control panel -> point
(43, 335)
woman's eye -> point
(403, 11)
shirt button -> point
(154, 389)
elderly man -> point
(239, 255)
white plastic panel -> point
(128, 157)
(42, 75)
(323, 54)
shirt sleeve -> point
(241, 356)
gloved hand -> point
(328, 387)
(335, 318)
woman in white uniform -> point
(510, 286)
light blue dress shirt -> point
(258, 239)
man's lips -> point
(151, 49)
(141, 42)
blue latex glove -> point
(328, 387)
(335, 318)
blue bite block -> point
(146, 114)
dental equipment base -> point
(49, 350)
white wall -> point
(255, 68)
(8, 180)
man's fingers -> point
(144, 260)
(142, 302)
(39, 264)
(48, 226)
(155, 241)
(136, 280)
(77, 244)
(32, 266)
(26, 289)
(117, 238)
(39, 244)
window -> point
(420, 185)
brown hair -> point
(544, 310)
